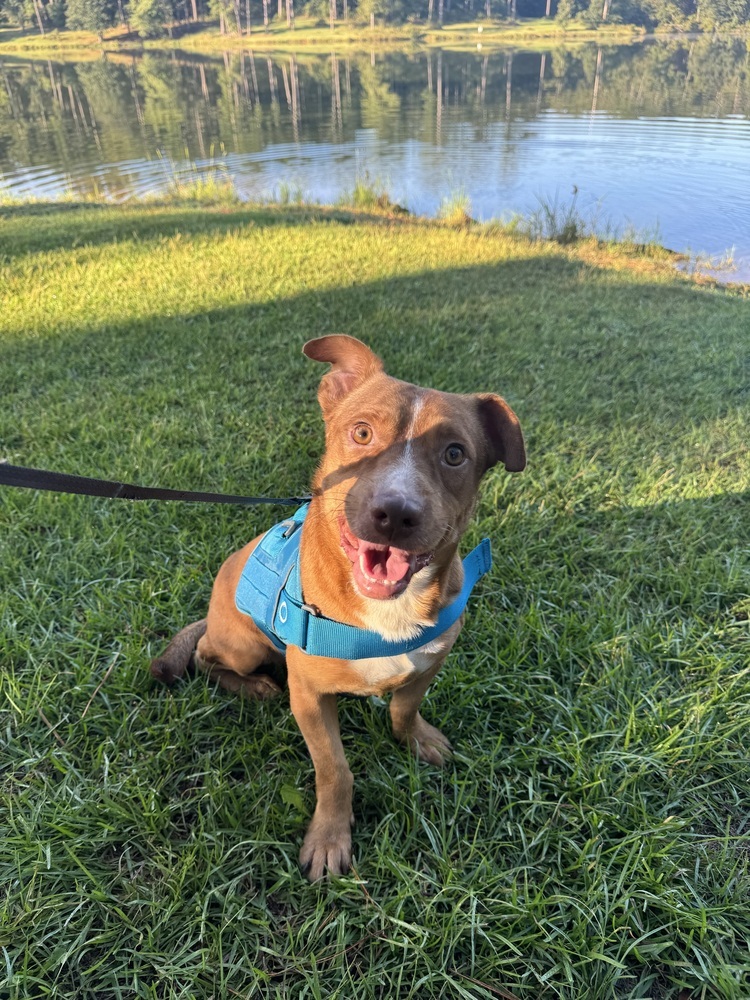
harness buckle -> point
(311, 609)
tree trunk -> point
(540, 91)
(248, 29)
(439, 94)
(265, 16)
(508, 83)
(195, 10)
(38, 13)
(549, 8)
(335, 94)
(597, 80)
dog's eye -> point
(362, 433)
(454, 454)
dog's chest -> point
(386, 673)
(400, 620)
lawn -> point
(591, 838)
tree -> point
(20, 12)
(91, 15)
(150, 17)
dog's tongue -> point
(385, 564)
(382, 571)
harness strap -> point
(320, 636)
(60, 482)
(270, 591)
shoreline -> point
(310, 35)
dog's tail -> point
(178, 655)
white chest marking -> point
(380, 670)
(396, 620)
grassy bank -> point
(311, 33)
(591, 838)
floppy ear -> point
(353, 363)
(503, 432)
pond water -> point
(653, 136)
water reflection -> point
(658, 133)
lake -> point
(654, 137)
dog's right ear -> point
(353, 363)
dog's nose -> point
(395, 517)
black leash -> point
(60, 482)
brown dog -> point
(392, 496)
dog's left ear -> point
(503, 431)
(353, 363)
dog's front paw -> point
(327, 850)
(426, 742)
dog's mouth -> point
(380, 571)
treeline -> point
(152, 18)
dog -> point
(377, 554)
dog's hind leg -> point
(235, 658)
(178, 655)
(226, 645)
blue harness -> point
(270, 591)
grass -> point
(455, 208)
(369, 193)
(590, 840)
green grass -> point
(591, 839)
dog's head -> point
(402, 463)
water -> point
(654, 136)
